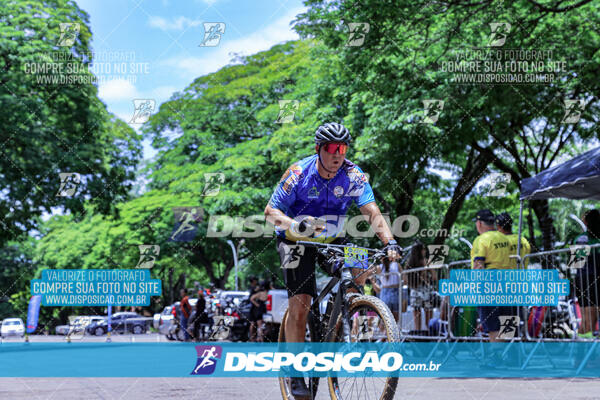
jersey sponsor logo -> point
(338, 191)
(357, 182)
(291, 178)
(313, 193)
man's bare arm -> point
(377, 222)
(479, 264)
(277, 218)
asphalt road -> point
(115, 337)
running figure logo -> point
(143, 108)
(579, 255)
(500, 31)
(437, 254)
(358, 33)
(212, 34)
(365, 325)
(68, 183)
(186, 223)
(573, 110)
(498, 184)
(68, 34)
(291, 255)
(508, 326)
(207, 359)
(287, 110)
(222, 327)
(433, 108)
(148, 253)
(212, 183)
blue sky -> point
(162, 38)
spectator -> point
(420, 285)
(201, 314)
(253, 284)
(491, 250)
(504, 224)
(371, 287)
(586, 280)
(259, 307)
(186, 310)
(390, 285)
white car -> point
(12, 327)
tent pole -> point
(520, 229)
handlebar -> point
(338, 249)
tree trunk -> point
(542, 212)
(474, 168)
(171, 297)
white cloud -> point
(163, 93)
(277, 32)
(174, 24)
(117, 89)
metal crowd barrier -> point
(579, 264)
(419, 297)
(463, 322)
(564, 321)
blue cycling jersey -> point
(303, 192)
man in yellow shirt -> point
(504, 223)
(491, 250)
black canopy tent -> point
(578, 178)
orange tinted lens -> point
(334, 147)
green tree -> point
(400, 65)
(54, 126)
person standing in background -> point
(259, 307)
(186, 310)
(491, 250)
(390, 285)
(504, 224)
(201, 315)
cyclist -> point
(322, 185)
(504, 224)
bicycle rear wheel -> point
(371, 322)
(284, 382)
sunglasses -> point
(332, 148)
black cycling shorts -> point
(299, 269)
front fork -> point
(346, 317)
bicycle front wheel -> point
(371, 322)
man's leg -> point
(184, 323)
(301, 285)
(295, 325)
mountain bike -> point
(350, 317)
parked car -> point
(77, 322)
(277, 303)
(12, 327)
(233, 296)
(162, 317)
(166, 319)
(121, 322)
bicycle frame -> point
(340, 304)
